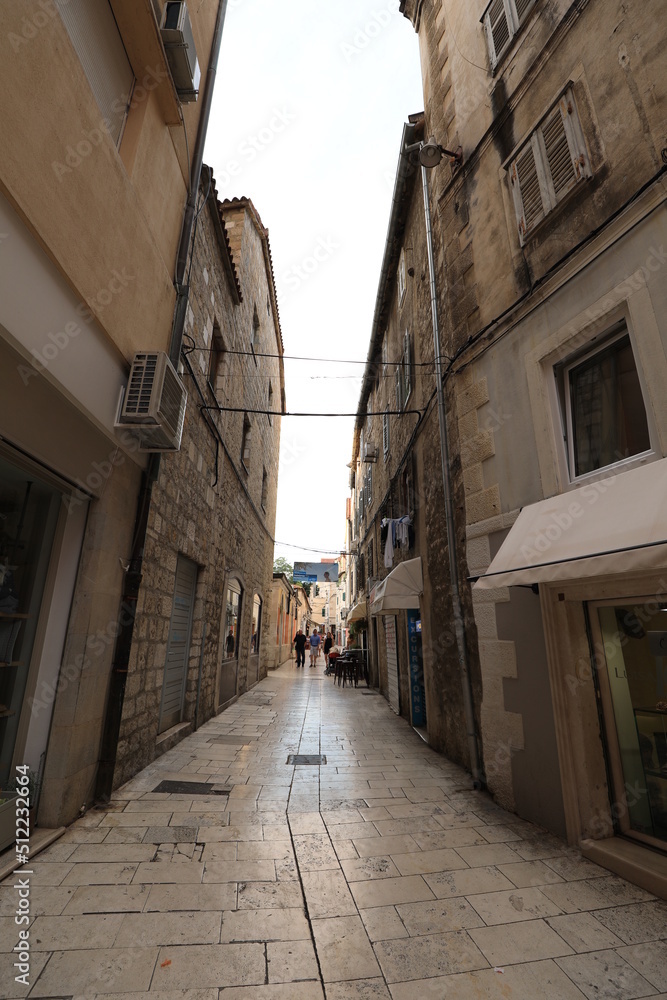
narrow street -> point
(377, 874)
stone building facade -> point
(209, 544)
(397, 475)
(548, 263)
(283, 611)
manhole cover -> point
(188, 788)
(306, 758)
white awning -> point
(358, 612)
(613, 526)
(399, 590)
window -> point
(369, 485)
(265, 488)
(215, 359)
(407, 367)
(502, 19)
(94, 34)
(370, 558)
(233, 618)
(398, 376)
(548, 166)
(604, 417)
(245, 441)
(256, 623)
(254, 340)
(385, 432)
(401, 278)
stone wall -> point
(210, 503)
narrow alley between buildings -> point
(307, 844)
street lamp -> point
(431, 152)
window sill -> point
(610, 471)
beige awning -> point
(612, 526)
(399, 590)
(358, 612)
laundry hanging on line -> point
(395, 532)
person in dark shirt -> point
(328, 643)
(300, 647)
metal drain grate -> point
(307, 758)
(189, 788)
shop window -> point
(548, 166)
(602, 406)
(256, 623)
(29, 512)
(94, 34)
(502, 20)
(233, 618)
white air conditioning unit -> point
(153, 406)
(179, 44)
(370, 452)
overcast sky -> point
(307, 117)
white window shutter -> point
(385, 432)
(560, 158)
(94, 34)
(498, 29)
(526, 191)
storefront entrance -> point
(631, 641)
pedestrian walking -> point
(300, 648)
(328, 643)
(314, 647)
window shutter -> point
(385, 432)
(398, 376)
(407, 365)
(94, 34)
(498, 29)
(522, 8)
(526, 191)
(559, 156)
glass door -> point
(632, 637)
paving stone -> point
(467, 882)
(383, 923)
(605, 974)
(172, 898)
(583, 932)
(75, 932)
(382, 892)
(327, 894)
(428, 955)
(291, 961)
(103, 970)
(529, 873)
(512, 906)
(144, 930)
(438, 916)
(533, 981)
(637, 922)
(650, 960)
(218, 965)
(518, 943)
(343, 949)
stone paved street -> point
(380, 874)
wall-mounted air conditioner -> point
(153, 407)
(179, 44)
(370, 452)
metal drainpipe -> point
(447, 487)
(191, 204)
(132, 582)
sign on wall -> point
(416, 661)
